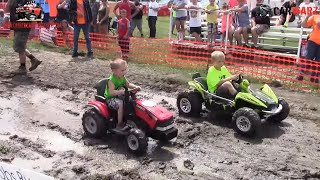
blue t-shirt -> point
(242, 18)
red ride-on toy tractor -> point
(144, 119)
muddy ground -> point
(40, 117)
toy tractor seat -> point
(203, 82)
(100, 87)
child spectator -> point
(285, 16)
(66, 31)
(212, 11)
(123, 34)
(219, 78)
(242, 21)
(53, 30)
(181, 16)
(224, 16)
(195, 19)
(117, 81)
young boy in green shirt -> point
(117, 81)
(219, 78)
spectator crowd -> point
(238, 19)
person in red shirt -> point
(123, 34)
(126, 5)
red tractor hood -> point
(161, 113)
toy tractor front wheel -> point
(137, 141)
(283, 114)
(246, 121)
(189, 103)
(94, 124)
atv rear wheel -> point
(246, 121)
(189, 103)
(94, 124)
(283, 114)
(137, 141)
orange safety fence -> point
(265, 66)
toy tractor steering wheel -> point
(130, 93)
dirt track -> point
(41, 130)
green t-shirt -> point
(118, 83)
(215, 76)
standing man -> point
(81, 16)
(152, 17)
(128, 6)
(20, 38)
(137, 19)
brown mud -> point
(40, 116)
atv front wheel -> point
(137, 141)
(283, 114)
(94, 124)
(189, 103)
(246, 121)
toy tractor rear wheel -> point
(94, 124)
(137, 141)
(189, 103)
(283, 114)
(246, 121)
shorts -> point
(124, 45)
(222, 92)
(195, 29)
(114, 103)
(212, 28)
(262, 28)
(20, 41)
(184, 18)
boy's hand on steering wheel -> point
(235, 77)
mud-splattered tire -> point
(246, 121)
(137, 142)
(283, 114)
(94, 124)
(189, 104)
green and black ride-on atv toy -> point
(248, 109)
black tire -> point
(283, 114)
(192, 104)
(137, 141)
(246, 116)
(94, 124)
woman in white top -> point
(195, 19)
(305, 5)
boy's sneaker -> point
(90, 55)
(34, 64)
(121, 130)
(75, 54)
